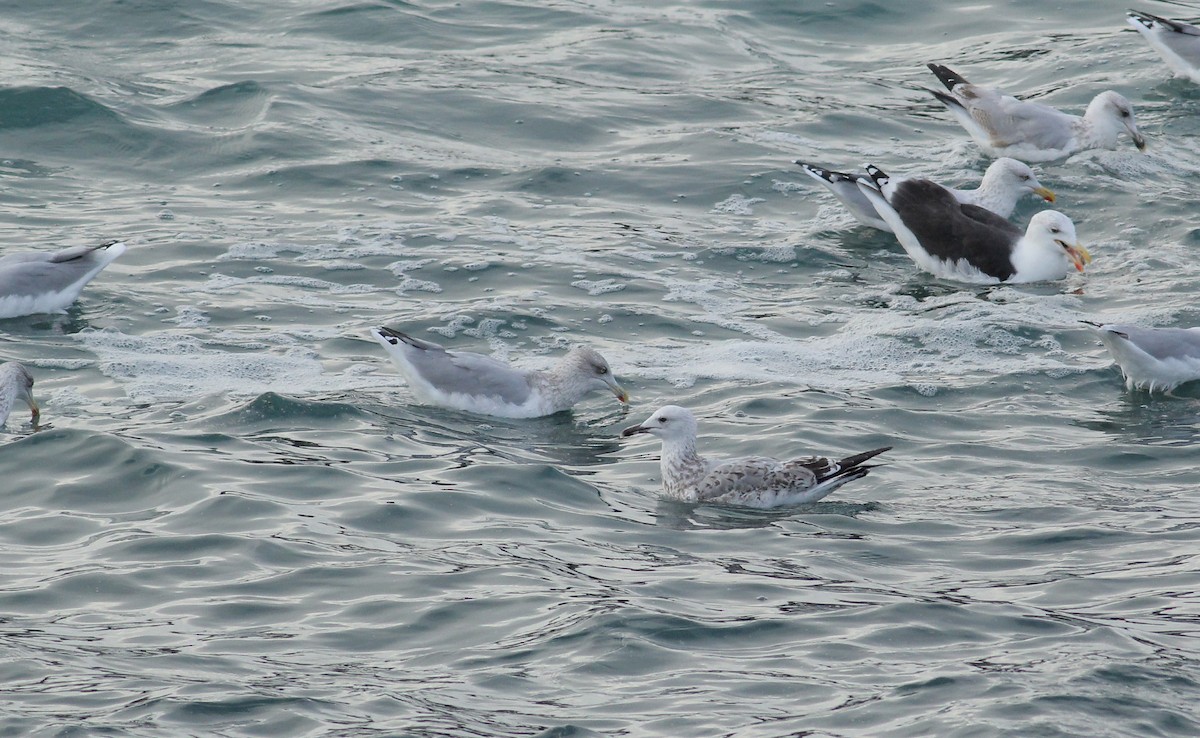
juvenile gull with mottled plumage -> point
(968, 243)
(1004, 183)
(1002, 125)
(16, 383)
(480, 384)
(751, 481)
(48, 282)
(1153, 358)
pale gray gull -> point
(1004, 183)
(750, 481)
(1002, 125)
(49, 281)
(16, 383)
(968, 243)
(1153, 358)
(462, 380)
(1177, 43)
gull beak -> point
(633, 430)
(34, 412)
(1078, 254)
(1045, 193)
(618, 390)
(1138, 140)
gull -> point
(1004, 183)
(1177, 43)
(16, 383)
(48, 282)
(462, 380)
(751, 481)
(1153, 358)
(968, 243)
(1005, 126)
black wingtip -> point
(878, 176)
(394, 336)
(828, 175)
(850, 462)
(1142, 19)
(1148, 20)
(947, 100)
(948, 76)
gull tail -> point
(839, 473)
(948, 76)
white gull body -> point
(1177, 43)
(751, 481)
(1004, 183)
(967, 243)
(463, 380)
(1153, 358)
(1002, 125)
(16, 383)
(34, 282)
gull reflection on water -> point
(1152, 419)
(699, 516)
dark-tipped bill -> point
(1078, 254)
(633, 430)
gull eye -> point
(1024, 177)
(602, 370)
(1055, 229)
(1124, 113)
(662, 419)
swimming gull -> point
(1153, 358)
(480, 384)
(969, 243)
(16, 383)
(1005, 126)
(1004, 183)
(1177, 43)
(48, 282)
(751, 481)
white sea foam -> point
(174, 365)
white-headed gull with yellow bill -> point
(750, 481)
(463, 380)
(1004, 183)
(968, 243)
(1002, 125)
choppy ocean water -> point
(236, 523)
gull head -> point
(1010, 174)
(587, 365)
(669, 423)
(1111, 115)
(1054, 233)
(23, 381)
